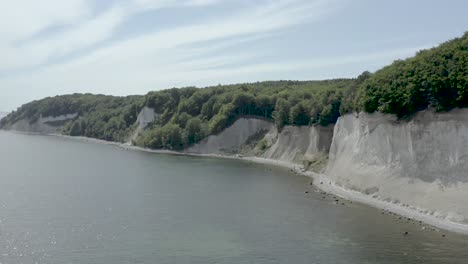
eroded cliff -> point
(243, 133)
(421, 163)
(44, 125)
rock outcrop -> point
(145, 117)
(233, 139)
(421, 163)
(44, 125)
(306, 145)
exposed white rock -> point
(49, 119)
(45, 125)
(418, 165)
(299, 144)
(145, 117)
(230, 140)
(421, 163)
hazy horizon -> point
(126, 47)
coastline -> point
(320, 181)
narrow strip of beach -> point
(321, 181)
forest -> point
(434, 78)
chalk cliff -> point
(44, 125)
(421, 163)
(146, 116)
(305, 145)
(233, 139)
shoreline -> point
(325, 184)
(320, 181)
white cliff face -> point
(231, 139)
(421, 163)
(45, 125)
(145, 117)
(51, 119)
(300, 144)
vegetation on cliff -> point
(195, 113)
(187, 115)
(100, 116)
(436, 78)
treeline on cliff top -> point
(436, 78)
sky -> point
(123, 47)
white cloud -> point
(24, 19)
(84, 31)
(138, 78)
(258, 21)
(183, 55)
(202, 2)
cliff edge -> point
(421, 163)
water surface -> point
(64, 201)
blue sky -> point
(123, 47)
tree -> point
(436, 78)
(265, 104)
(181, 119)
(171, 135)
(244, 103)
(298, 115)
(152, 139)
(194, 130)
(281, 113)
(77, 128)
